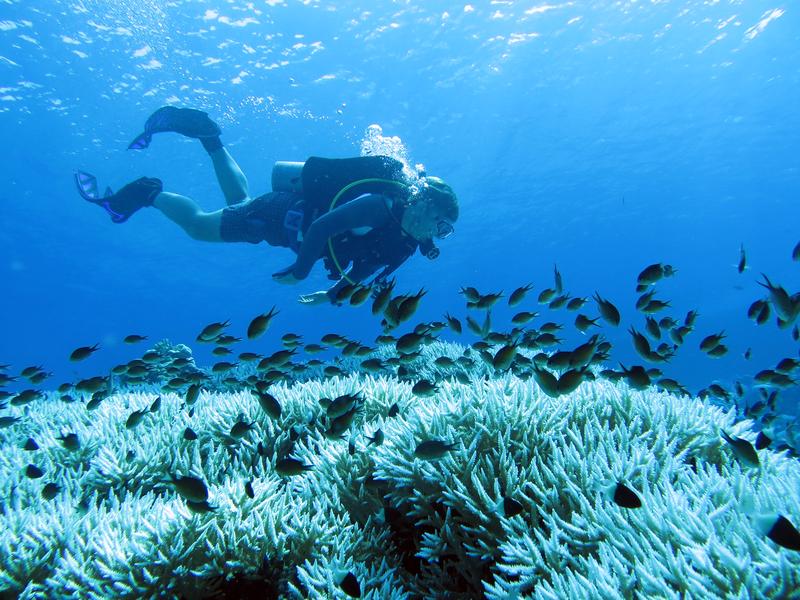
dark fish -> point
(546, 296)
(547, 382)
(487, 301)
(607, 310)
(691, 317)
(70, 441)
(453, 323)
(785, 305)
(248, 489)
(394, 410)
(30, 445)
(189, 435)
(637, 377)
(25, 397)
(709, 342)
(762, 440)
(288, 467)
(50, 491)
(33, 472)
(742, 265)
(240, 429)
(260, 323)
(576, 303)
(377, 438)
(470, 293)
(557, 278)
(523, 317)
(718, 351)
(190, 488)
(270, 404)
(156, 404)
(83, 352)
(383, 296)
(654, 306)
(625, 497)
(651, 274)
(222, 367)
(432, 449)
(652, 327)
(135, 418)
(361, 295)
(350, 586)
(742, 449)
(211, 331)
(424, 388)
(409, 306)
(504, 357)
(582, 323)
(511, 507)
(192, 394)
(134, 339)
(519, 294)
(558, 301)
(221, 351)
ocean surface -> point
(597, 136)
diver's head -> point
(431, 215)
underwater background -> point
(598, 136)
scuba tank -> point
(287, 176)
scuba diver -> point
(359, 212)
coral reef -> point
(403, 526)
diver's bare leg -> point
(203, 226)
(230, 177)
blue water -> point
(598, 136)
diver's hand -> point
(285, 276)
(315, 298)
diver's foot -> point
(186, 121)
(122, 204)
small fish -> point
(221, 351)
(248, 489)
(607, 310)
(742, 265)
(519, 294)
(70, 441)
(742, 449)
(409, 306)
(786, 306)
(288, 467)
(576, 303)
(50, 490)
(383, 296)
(524, 317)
(394, 410)
(135, 418)
(504, 357)
(211, 331)
(796, 252)
(260, 324)
(350, 586)
(625, 497)
(361, 295)
(558, 281)
(155, 405)
(33, 472)
(240, 429)
(192, 394)
(189, 435)
(377, 438)
(83, 352)
(777, 528)
(134, 339)
(582, 322)
(190, 488)
(30, 445)
(424, 388)
(711, 341)
(511, 507)
(432, 449)
(270, 404)
(546, 296)
(762, 440)
(637, 377)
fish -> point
(470, 293)
(637, 377)
(558, 301)
(221, 351)
(248, 489)
(383, 296)
(742, 264)
(240, 429)
(576, 303)
(394, 410)
(557, 279)
(607, 310)
(377, 437)
(787, 307)
(409, 306)
(360, 295)
(742, 449)
(222, 367)
(288, 467)
(155, 405)
(192, 393)
(409, 343)
(653, 328)
(33, 472)
(83, 352)
(546, 296)
(30, 445)
(211, 331)
(135, 418)
(518, 295)
(50, 490)
(453, 323)
(269, 404)
(190, 488)
(711, 341)
(511, 507)
(718, 351)
(504, 357)
(70, 441)
(640, 344)
(189, 435)
(624, 496)
(350, 586)
(486, 301)
(582, 322)
(432, 449)
(424, 388)
(524, 317)
(200, 507)
(762, 440)
(655, 306)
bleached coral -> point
(403, 526)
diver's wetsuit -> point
(383, 245)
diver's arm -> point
(370, 210)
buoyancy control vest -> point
(330, 182)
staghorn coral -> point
(403, 526)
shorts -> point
(261, 219)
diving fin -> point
(186, 121)
(121, 205)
